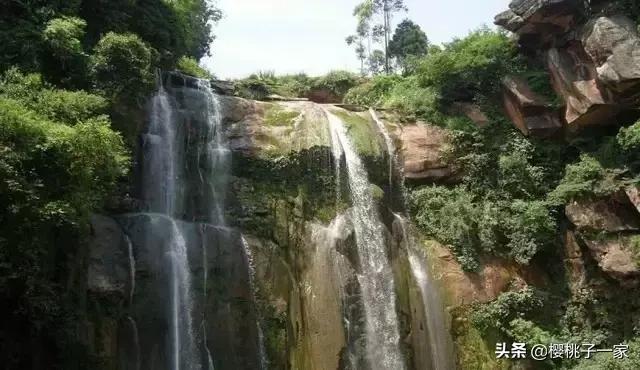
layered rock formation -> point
(592, 56)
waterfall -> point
(161, 185)
(376, 277)
(438, 337)
(252, 276)
(136, 341)
(391, 150)
(132, 269)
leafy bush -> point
(337, 82)
(191, 67)
(583, 179)
(473, 226)
(470, 66)
(122, 66)
(509, 306)
(373, 92)
(63, 36)
(410, 99)
(629, 137)
(69, 107)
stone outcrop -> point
(616, 258)
(529, 112)
(608, 228)
(421, 149)
(539, 21)
(108, 270)
(574, 78)
(614, 46)
(594, 63)
(464, 288)
(613, 214)
(471, 111)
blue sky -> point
(290, 36)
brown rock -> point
(471, 111)
(614, 46)
(574, 78)
(633, 193)
(421, 152)
(613, 214)
(539, 21)
(573, 262)
(497, 276)
(530, 113)
(616, 258)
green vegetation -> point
(191, 67)
(122, 66)
(71, 71)
(260, 85)
(409, 42)
(60, 160)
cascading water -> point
(376, 277)
(252, 277)
(438, 338)
(161, 180)
(391, 150)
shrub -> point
(337, 82)
(583, 179)
(373, 92)
(473, 226)
(509, 306)
(63, 36)
(69, 107)
(629, 137)
(191, 67)
(409, 98)
(470, 66)
(122, 66)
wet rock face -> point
(108, 261)
(529, 112)
(220, 284)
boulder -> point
(633, 193)
(529, 112)
(613, 44)
(471, 111)
(539, 21)
(613, 214)
(574, 78)
(421, 148)
(616, 258)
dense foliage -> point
(262, 84)
(59, 160)
(69, 69)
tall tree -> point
(386, 8)
(374, 25)
(408, 41)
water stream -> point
(375, 276)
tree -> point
(408, 41)
(375, 30)
(122, 66)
